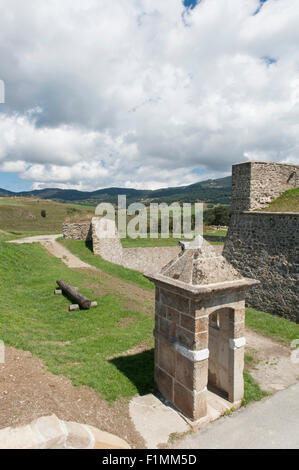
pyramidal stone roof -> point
(198, 264)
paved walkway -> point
(272, 423)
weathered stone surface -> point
(105, 240)
(200, 266)
(264, 246)
(184, 336)
(165, 383)
(167, 357)
(194, 376)
(78, 436)
(255, 184)
(105, 440)
(19, 438)
(155, 421)
(192, 404)
(193, 324)
(173, 315)
(150, 259)
(236, 382)
(49, 432)
(77, 231)
(174, 300)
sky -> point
(144, 93)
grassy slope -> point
(24, 215)
(274, 327)
(84, 252)
(277, 328)
(287, 202)
(261, 322)
(79, 345)
(33, 319)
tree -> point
(219, 215)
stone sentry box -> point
(199, 329)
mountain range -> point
(217, 191)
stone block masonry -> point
(192, 349)
(264, 245)
(110, 248)
(77, 231)
(142, 259)
(256, 184)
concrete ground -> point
(157, 420)
(272, 423)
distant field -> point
(24, 215)
(21, 217)
(148, 242)
(287, 202)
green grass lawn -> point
(151, 242)
(88, 346)
(266, 324)
(252, 391)
(76, 345)
(272, 326)
(84, 251)
(218, 233)
(277, 328)
(287, 202)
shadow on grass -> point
(139, 369)
(88, 244)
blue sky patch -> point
(259, 7)
(190, 3)
(12, 182)
(269, 60)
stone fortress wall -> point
(150, 259)
(256, 184)
(77, 231)
(264, 245)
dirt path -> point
(36, 239)
(72, 261)
(55, 249)
(61, 252)
(28, 391)
(272, 367)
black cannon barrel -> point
(73, 294)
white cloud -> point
(134, 93)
